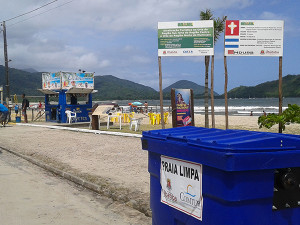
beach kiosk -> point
(67, 91)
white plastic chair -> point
(136, 122)
(111, 116)
(90, 125)
(71, 116)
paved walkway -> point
(116, 164)
(31, 196)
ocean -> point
(235, 106)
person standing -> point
(39, 114)
(73, 99)
(16, 109)
(3, 114)
(146, 107)
(40, 106)
(25, 104)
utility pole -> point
(6, 62)
(1, 94)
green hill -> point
(110, 88)
(113, 88)
(290, 88)
(21, 81)
(185, 84)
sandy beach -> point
(235, 122)
(244, 122)
(248, 122)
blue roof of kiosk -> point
(215, 146)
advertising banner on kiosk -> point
(77, 80)
(182, 107)
(254, 37)
(186, 38)
(51, 81)
(67, 80)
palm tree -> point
(218, 29)
(206, 15)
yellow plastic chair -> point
(166, 117)
(151, 118)
(119, 115)
(125, 117)
(113, 119)
(158, 118)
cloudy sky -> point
(119, 37)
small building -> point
(67, 91)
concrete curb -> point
(77, 180)
(82, 130)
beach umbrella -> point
(137, 103)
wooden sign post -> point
(225, 93)
(161, 94)
(280, 92)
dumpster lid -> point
(227, 140)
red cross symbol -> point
(232, 27)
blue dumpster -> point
(223, 177)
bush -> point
(290, 115)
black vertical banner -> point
(182, 101)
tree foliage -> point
(218, 29)
(290, 115)
(206, 15)
(218, 22)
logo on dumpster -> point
(188, 191)
(188, 197)
(169, 184)
(169, 196)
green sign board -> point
(194, 38)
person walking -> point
(25, 104)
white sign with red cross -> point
(254, 37)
